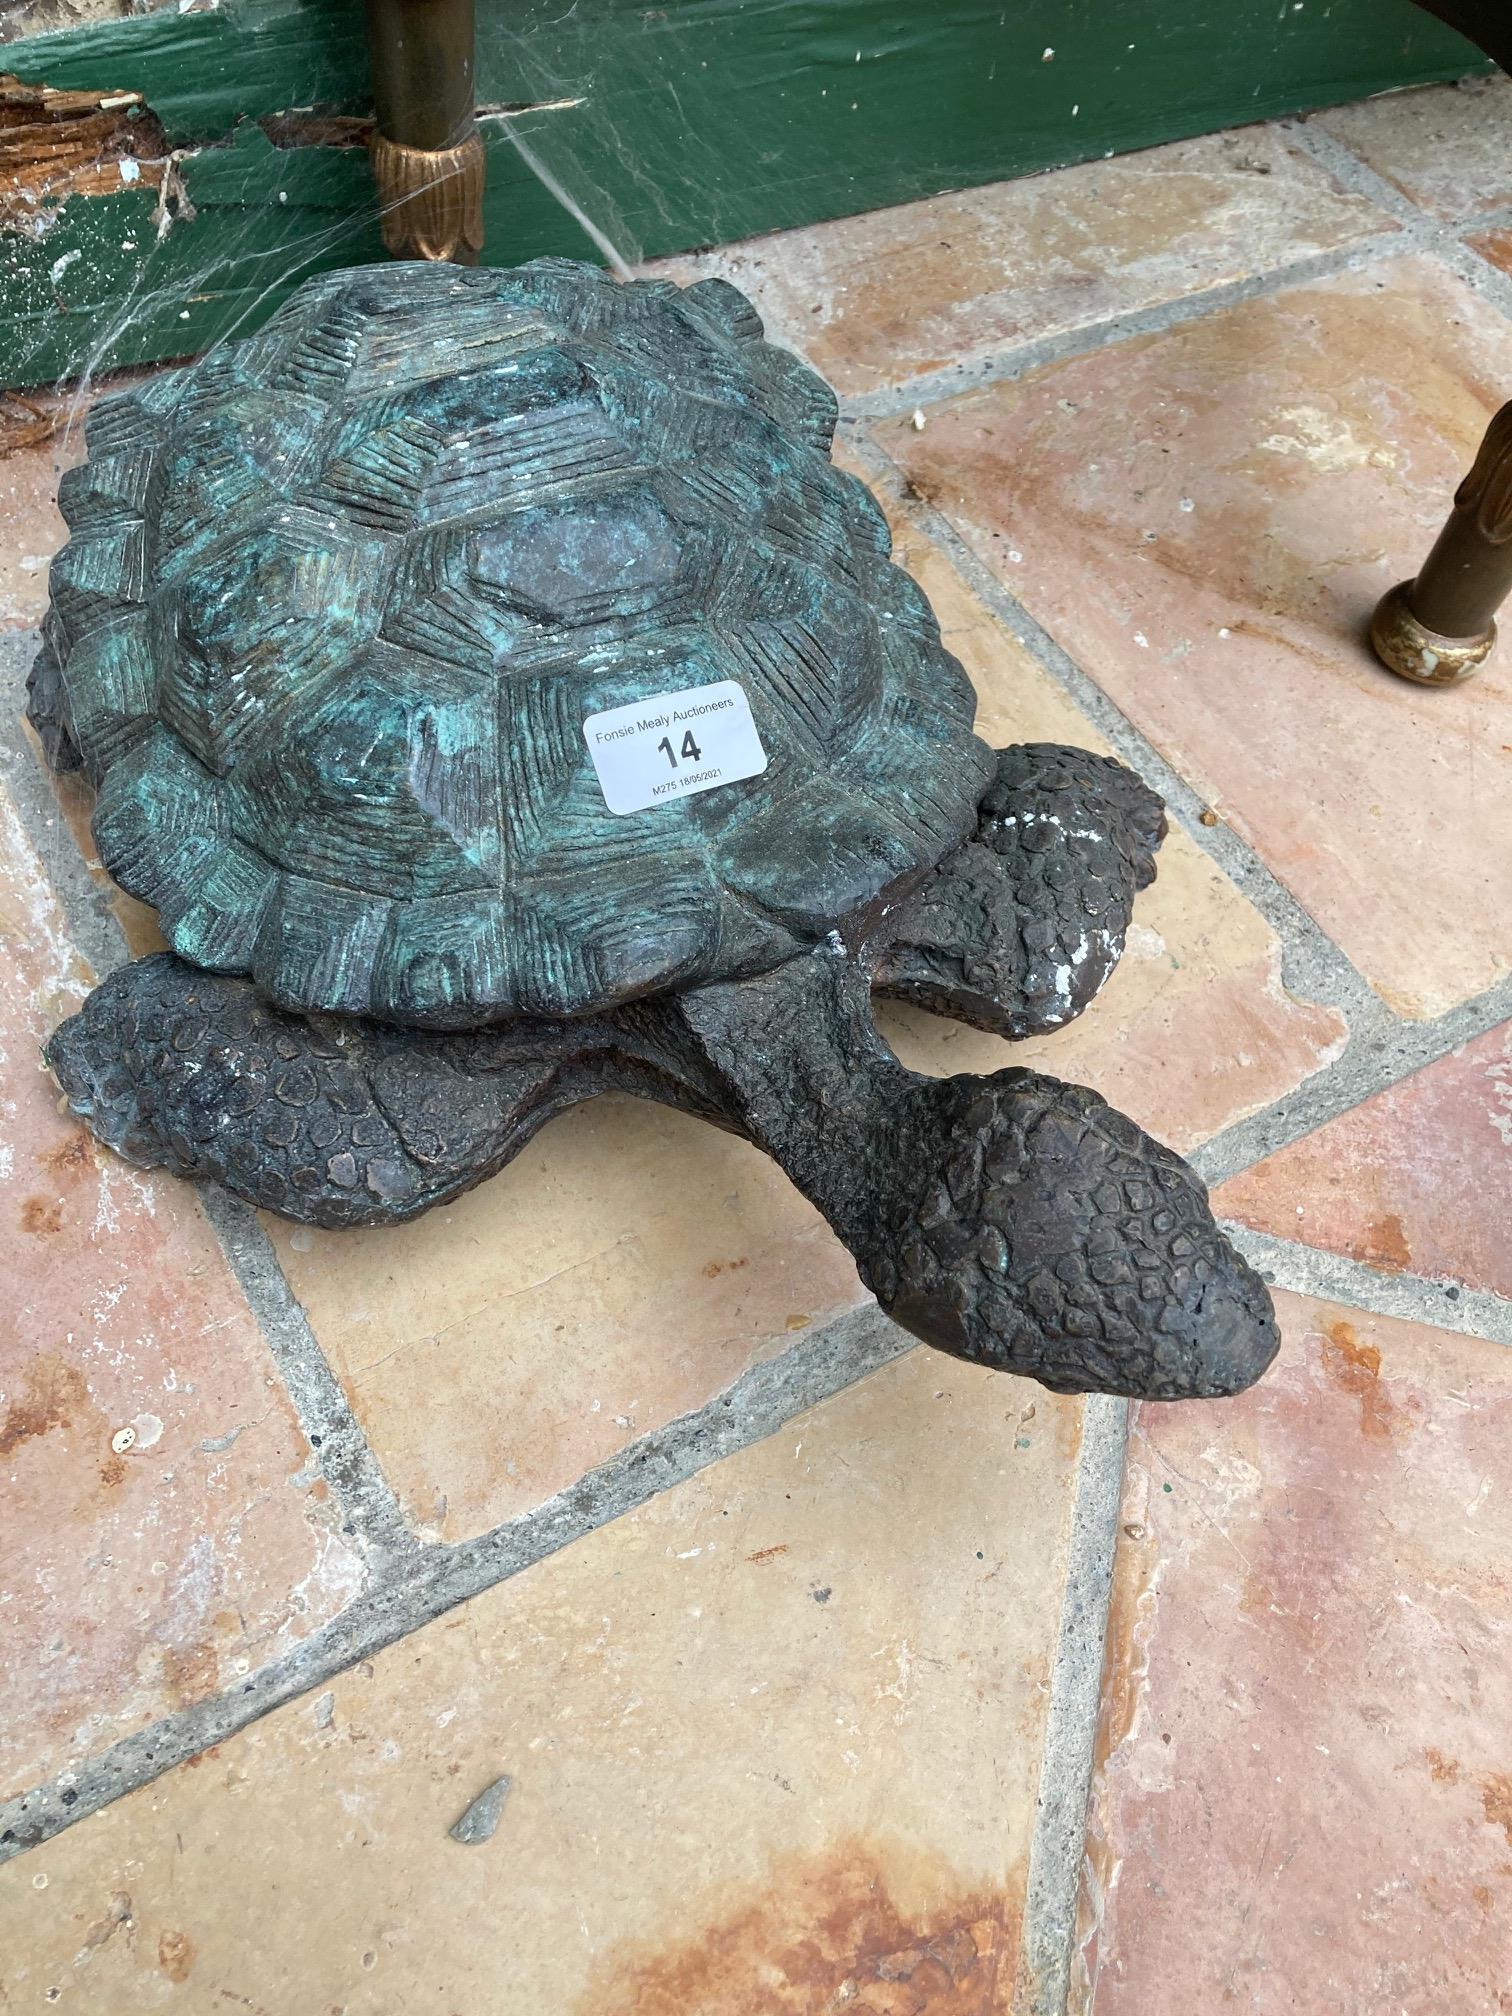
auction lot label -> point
(674, 744)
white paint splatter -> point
(1500, 1114)
(1325, 440)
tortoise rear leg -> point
(1012, 1220)
(1018, 929)
(328, 1120)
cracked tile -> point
(1302, 1796)
(1205, 519)
(773, 1743)
(157, 1541)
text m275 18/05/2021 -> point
(690, 750)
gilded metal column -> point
(426, 150)
(1440, 627)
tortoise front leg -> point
(1018, 929)
(328, 1120)
(1012, 1220)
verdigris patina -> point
(502, 698)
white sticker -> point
(672, 745)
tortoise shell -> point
(339, 599)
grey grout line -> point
(1013, 361)
(435, 1579)
(1381, 1048)
(1333, 1277)
(91, 922)
(370, 1512)
(1444, 239)
(1411, 230)
(1068, 1748)
(414, 1584)
(1483, 220)
(1341, 161)
(1377, 1058)
(1477, 273)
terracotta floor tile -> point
(773, 1741)
(496, 1350)
(1495, 246)
(1205, 519)
(877, 299)
(1417, 1179)
(1446, 147)
(1304, 1800)
(162, 1531)
(630, 1265)
(41, 435)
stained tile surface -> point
(1304, 1799)
(881, 298)
(1447, 147)
(1417, 1179)
(1195, 1029)
(1205, 519)
(163, 1528)
(773, 1742)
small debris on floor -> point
(477, 1824)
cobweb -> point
(614, 132)
(162, 256)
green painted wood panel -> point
(673, 126)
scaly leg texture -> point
(1011, 1220)
(328, 1120)
(1018, 929)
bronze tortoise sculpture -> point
(502, 698)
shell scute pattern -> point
(339, 599)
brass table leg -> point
(1440, 627)
(426, 151)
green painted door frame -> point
(234, 162)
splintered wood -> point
(57, 144)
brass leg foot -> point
(1424, 655)
(426, 151)
(431, 199)
(1440, 627)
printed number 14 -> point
(690, 749)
